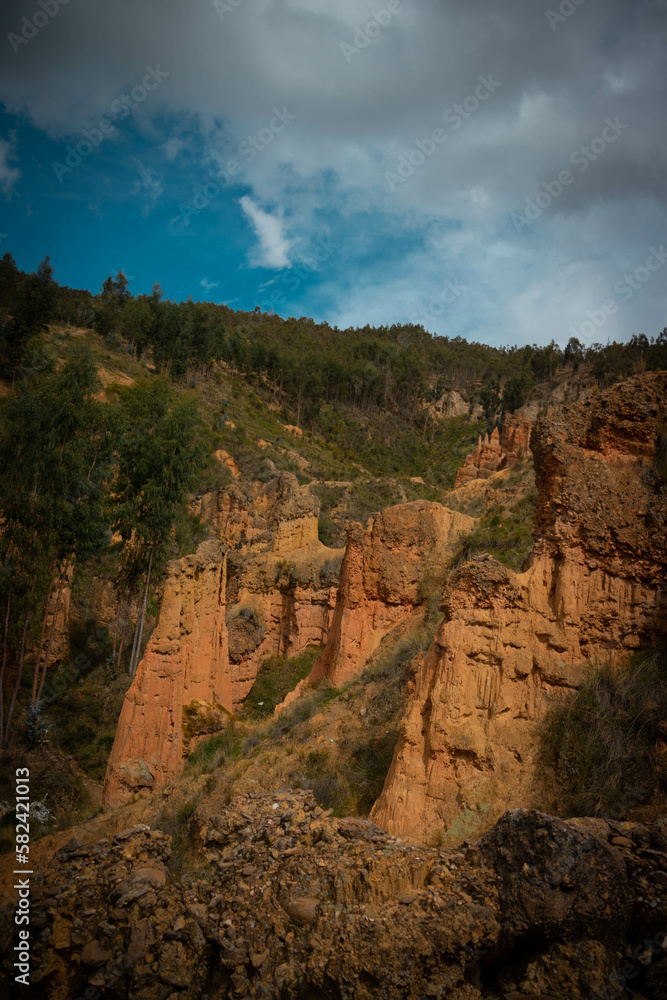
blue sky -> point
(487, 168)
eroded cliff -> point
(185, 665)
(265, 587)
(386, 569)
(498, 450)
(595, 591)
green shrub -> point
(506, 535)
(370, 758)
(224, 746)
(598, 745)
(276, 677)
(303, 709)
(330, 572)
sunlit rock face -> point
(595, 591)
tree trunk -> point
(143, 614)
(115, 629)
(47, 655)
(123, 626)
(134, 647)
(53, 628)
(19, 673)
(39, 653)
(2, 674)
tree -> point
(158, 453)
(54, 452)
(33, 309)
(573, 354)
(489, 397)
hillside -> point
(348, 572)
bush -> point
(222, 747)
(276, 677)
(599, 745)
(370, 759)
(35, 725)
(330, 572)
(506, 535)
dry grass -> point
(598, 747)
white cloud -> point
(148, 183)
(273, 245)
(8, 174)
(208, 285)
(354, 120)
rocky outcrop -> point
(498, 450)
(386, 570)
(267, 588)
(281, 580)
(508, 642)
(298, 904)
(182, 682)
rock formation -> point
(508, 642)
(297, 904)
(385, 570)
(266, 587)
(498, 450)
(185, 666)
(281, 580)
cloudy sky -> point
(493, 169)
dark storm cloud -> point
(564, 69)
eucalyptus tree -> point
(157, 453)
(55, 450)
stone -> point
(380, 918)
(303, 909)
(511, 642)
(93, 954)
(383, 568)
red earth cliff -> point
(281, 580)
(595, 591)
(185, 666)
(384, 570)
(497, 451)
(267, 587)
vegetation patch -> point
(598, 747)
(506, 534)
(276, 677)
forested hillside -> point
(116, 411)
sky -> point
(491, 169)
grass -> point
(505, 534)
(218, 750)
(303, 709)
(178, 824)
(349, 781)
(276, 677)
(598, 746)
